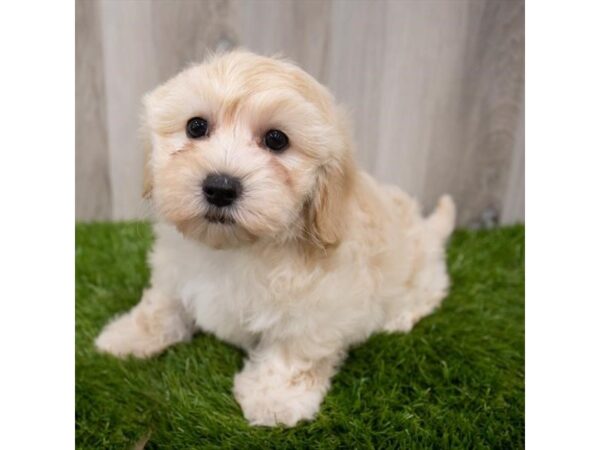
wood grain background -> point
(435, 88)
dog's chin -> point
(219, 219)
(216, 230)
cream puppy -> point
(270, 237)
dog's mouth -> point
(221, 219)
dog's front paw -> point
(149, 328)
(272, 402)
(123, 337)
(135, 334)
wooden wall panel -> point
(435, 88)
(92, 180)
(130, 70)
(491, 108)
(513, 205)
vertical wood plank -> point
(491, 92)
(297, 30)
(183, 31)
(92, 181)
(130, 71)
(357, 52)
(513, 205)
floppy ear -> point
(146, 143)
(325, 211)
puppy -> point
(270, 237)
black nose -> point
(221, 190)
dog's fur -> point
(320, 255)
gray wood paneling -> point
(130, 70)
(513, 205)
(492, 100)
(92, 180)
(435, 87)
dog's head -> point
(244, 147)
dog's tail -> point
(442, 220)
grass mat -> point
(455, 381)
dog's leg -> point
(277, 387)
(151, 326)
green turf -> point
(456, 381)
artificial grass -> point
(455, 381)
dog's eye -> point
(276, 140)
(196, 127)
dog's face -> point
(244, 147)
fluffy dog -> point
(270, 237)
